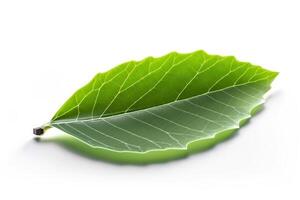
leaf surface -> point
(164, 103)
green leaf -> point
(164, 103)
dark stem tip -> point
(38, 131)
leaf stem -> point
(41, 130)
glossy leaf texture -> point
(164, 103)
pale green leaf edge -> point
(152, 156)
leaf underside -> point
(164, 103)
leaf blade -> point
(143, 107)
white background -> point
(48, 49)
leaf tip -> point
(274, 74)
